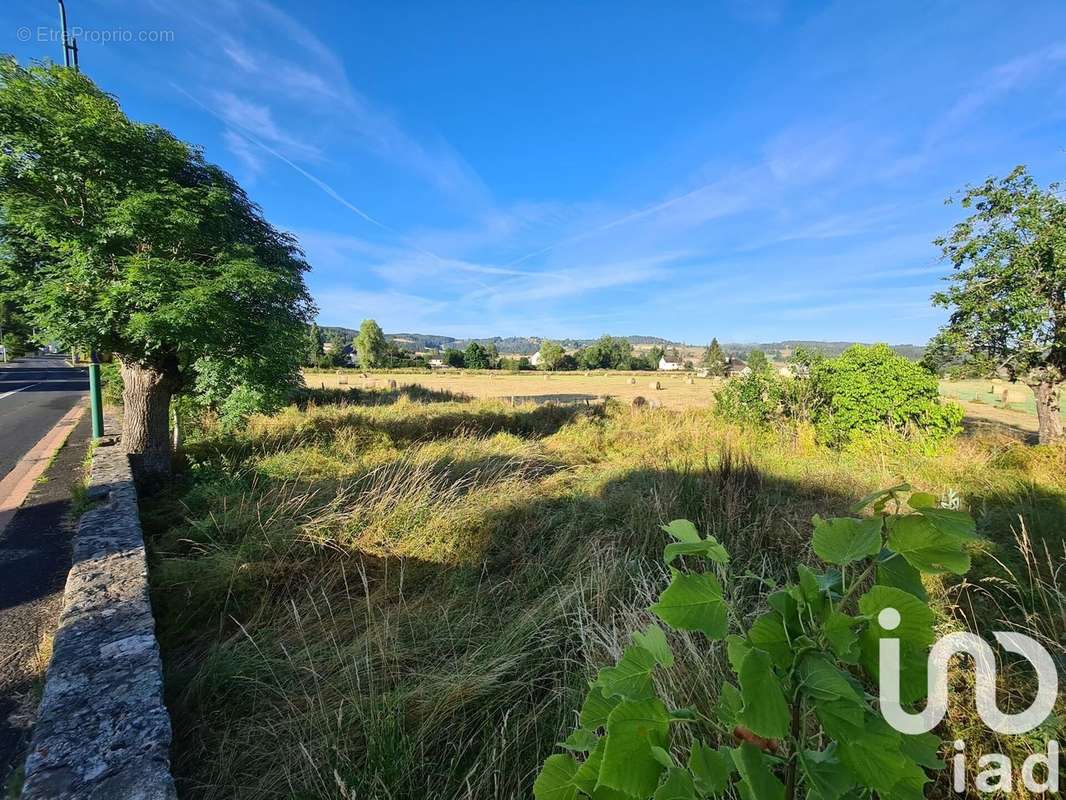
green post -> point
(96, 401)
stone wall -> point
(102, 729)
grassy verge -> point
(405, 598)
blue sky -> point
(747, 170)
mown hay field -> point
(404, 597)
(677, 390)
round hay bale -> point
(690, 380)
(655, 403)
(654, 385)
(639, 402)
(632, 381)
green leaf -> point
(922, 500)
(768, 633)
(709, 547)
(683, 531)
(915, 632)
(693, 603)
(758, 781)
(823, 682)
(826, 777)
(784, 603)
(663, 757)
(951, 522)
(580, 741)
(597, 708)
(842, 636)
(843, 540)
(893, 570)
(710, 769)
(880, 496)
(631, 676)
(926, 548)
(736, 648)
(633, 728)
(677, 786)
(923, 748)
(839, 706)
(831, 581)
(653, 639)
(875, 757)
(811, 589)
(765, 711)
(589, 773)
(556, 779)
(730, 702)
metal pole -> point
(68, 46)
(63, 29)
(96, 402)
(2, 341)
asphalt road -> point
(34, 394)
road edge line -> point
(18, 483)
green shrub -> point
(756, 398)
(865, 390)
(871, 387)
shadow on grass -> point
(415, 393)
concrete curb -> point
(102, 729)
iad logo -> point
(1000, 774)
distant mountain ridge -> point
(527, 345)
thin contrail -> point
(612, 224)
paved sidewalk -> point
(35, 552)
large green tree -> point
(551, 353)
(475, 356)
(714, 359)
(370, 344)
(607, 352)
(1008, 289)
(315, 341)
(120, 238)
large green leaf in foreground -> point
(693, 603)
(556, 779)
(846, 539)
(633, 728)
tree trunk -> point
(1047, 410)
(145, 420)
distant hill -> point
(783, 349)
(527, 345)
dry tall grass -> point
(404, 599)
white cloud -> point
(995, 83)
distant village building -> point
(735, 366)
(437, 363)
(534, 360)
(669, 366)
